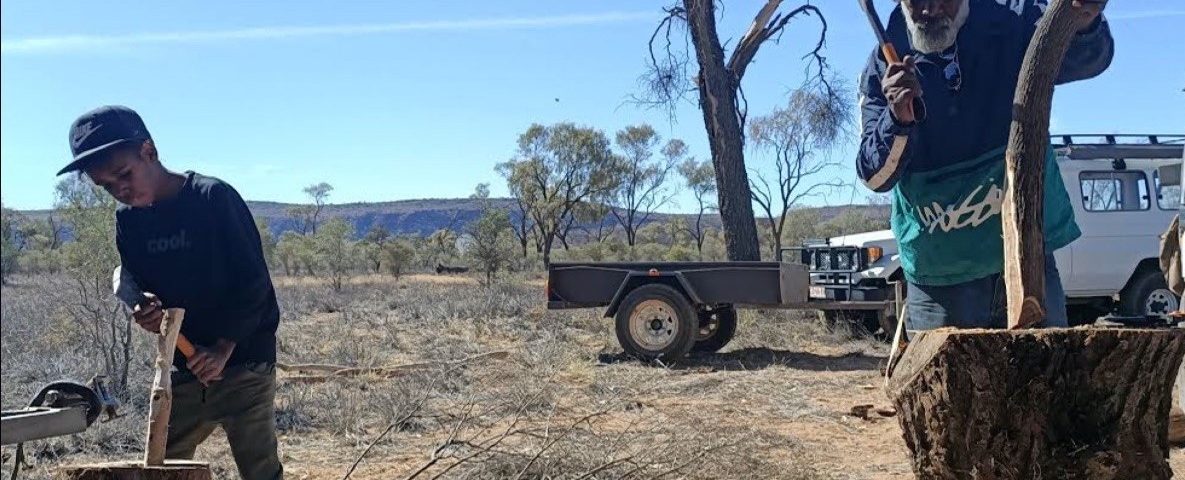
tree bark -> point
(173, 470)
(1038, 404)
(1024, 200)
(718, 102)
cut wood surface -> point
(162, 388)
(1032, 404)
(1024, 200)
(171, 470)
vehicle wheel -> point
(867, 321)
(716, 329)
(656, 322)
(1149, 296)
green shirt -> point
(947, 220)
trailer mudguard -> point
(636, 279)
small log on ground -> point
(1038, 404)
(171, 470)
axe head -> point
(125, 288)
(875, 20)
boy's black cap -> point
(101, 129)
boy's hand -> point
(148, 313)
(207, 363)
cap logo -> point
(82, 132)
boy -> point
(189, 241)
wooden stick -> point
(321, 372)
(162, 388)
(1024, 198)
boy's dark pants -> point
(243, 403)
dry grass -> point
(560, 405)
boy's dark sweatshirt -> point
(200, 250)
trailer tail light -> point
(874, 253)
(653, 272)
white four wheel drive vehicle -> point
(1125, 190)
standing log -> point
(1038, 404)
(1024, 198)
(154, 466)
(162, 389)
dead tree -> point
(720, 97)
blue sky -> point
(401, 100)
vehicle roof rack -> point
(1117, 139)
(1099, 146)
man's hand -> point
(207, 363)
(900, 86)
(148, 313)
(1087, 11)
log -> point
(162, 389)
(171, 470)
(1177, 417)
(1084, 403)
(1022, 209)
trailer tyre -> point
(716, 329)
(656, 322)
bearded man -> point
(935, 127)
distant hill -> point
(422, 217)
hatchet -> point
(128, 291)
(882, 38)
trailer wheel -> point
(656, 322)
(716, 329)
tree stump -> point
(1080, 403)
(171, 470)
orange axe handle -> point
(185, 346)
(890, 53)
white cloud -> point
(68, 43)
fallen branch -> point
(322, 372)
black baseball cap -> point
(100, 130)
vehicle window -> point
(1114, 191)
(1168, 197)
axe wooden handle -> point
(185, 346)
(890, 53)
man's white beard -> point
(938, 36)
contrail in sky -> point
(68, 43)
